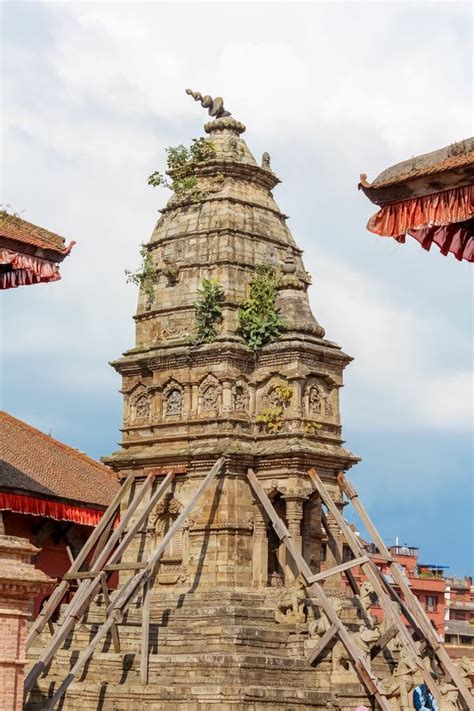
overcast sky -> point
(92, 93)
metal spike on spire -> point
(215, 106)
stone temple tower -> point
(186, 404)
(222, 621)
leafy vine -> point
(258, 318)
(182, 163)
(145, 276)
(208, 308)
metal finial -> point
(215, 106)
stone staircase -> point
(218, 649)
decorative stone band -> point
(25, 269)
(227, 527)
(51, 509)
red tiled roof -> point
(457, 155)
(15, 228)
(35, 463)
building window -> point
(323, 552)
(431, 602)
(459, 615)
(346, 553)
(466, 640)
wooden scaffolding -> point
(105, 547)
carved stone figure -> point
(174, 402)
(320, 625)
(366, 599)
(404, 673)
(142, 407)
(290, 607)
(215, 106)
(209, 398)
(241, 396)
(449, 698)
(466, 669)
(391, 689)
(169, 269)
(266, 161)
(365, 639)
(314, 400)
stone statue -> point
(449, 698)
(266, 161)
(291, 605)
(365, 639)
(215, 106)
(391, 689)
(404, 673)
(367, 598)
(466, 669)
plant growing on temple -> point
(145, 276)
(312, 428)
(182, 162)
(258, 318)
(271, 417)
(208, 308)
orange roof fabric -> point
(32, 462)
(15, 228)
(448, 207)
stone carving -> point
(173, 399)
(404, 673)
(365, 639)
(179, 251)
(291, 605)
(367, 598)
(172, 330)
(391, 689)
(169, 269)
(141, 405)
(314, 400)
(215, 106)
(240, 393)
(159, 522)
(449, 698)
(266, 161)
(318, 399)
(466, 669)
(210, 390)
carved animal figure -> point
(215, 106)
(365, 639)
(291, 604)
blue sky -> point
(93, 92)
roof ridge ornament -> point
(215, 106)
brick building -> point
(50, 494)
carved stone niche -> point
(172, 399)
(210, 395)
(240, 396)
(160, 521)
(318, 398)
(140, 405)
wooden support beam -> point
(105, 593)
(338, 569)
(313, 653)
(335, 551)
(58, 593)
(133, 586)
(377, 581)
(133, 565)
(88, 588)
(383, 641)
(418, 613)
(145, 639)
(360, 663)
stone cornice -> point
(241, 171)
(156, 243)
(231, 199)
